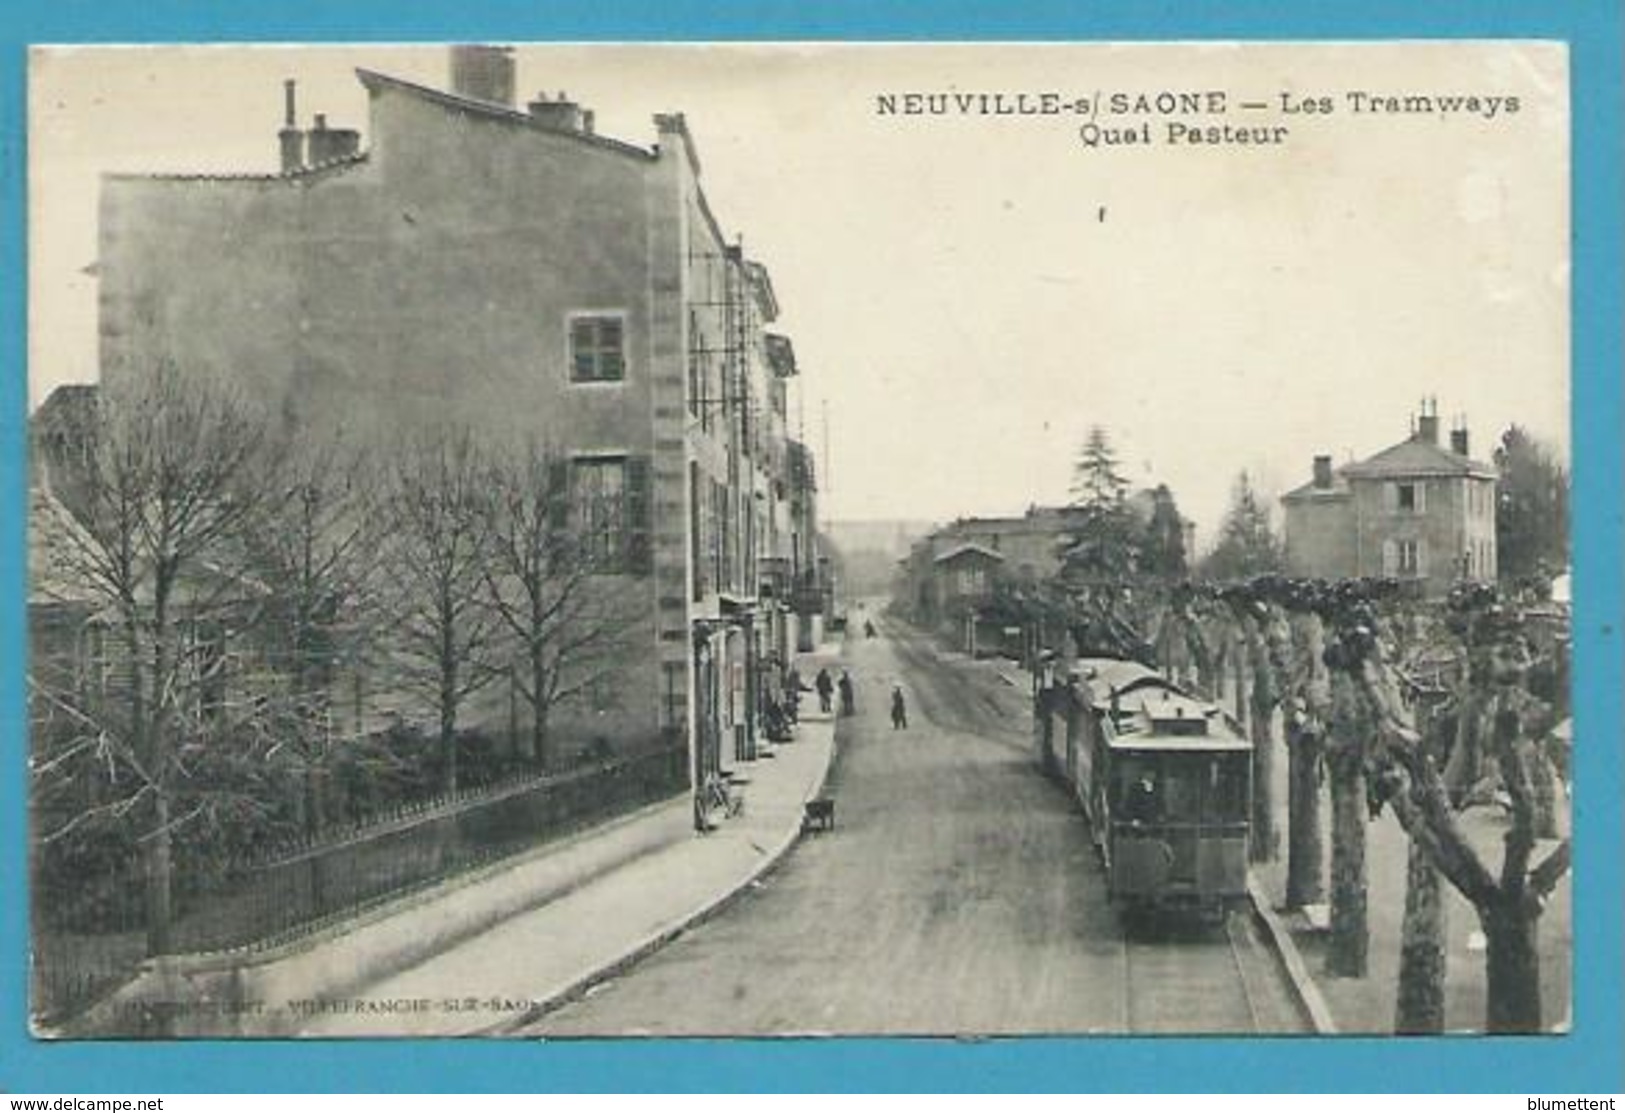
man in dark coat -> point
(792, 694)
(826, 688)
(899, 708)
(847, 706)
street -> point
(957, 894)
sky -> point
(969, 292)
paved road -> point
(958, 894)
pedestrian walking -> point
(847, 705)
(792, 694)
(826, 689)
(899, 708)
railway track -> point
(1177, 978)
(1204, 980)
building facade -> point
(1415, 511)
(951, 575)
(508, 270)
(1028, 548)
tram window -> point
(1126, 771)
(1227, 789)
(1182, 792)
(1137, 791)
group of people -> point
(827, 686)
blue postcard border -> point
(1586, 1060)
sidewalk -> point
(492, 983)
(1362, 1006)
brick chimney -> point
(673, 130)
(1427, 422)
(290, 137)
(1458, 439)
(329, 144)
(1323, 473)
(563, 114)
(483, 73)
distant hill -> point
(891, 537)
(868, 552)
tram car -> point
(1165, 779)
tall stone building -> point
(511, 270)
(1416, 511)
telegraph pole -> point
(824, 451)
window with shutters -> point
(675, 700)
(597, 348)
(696, 532)
(699, 373)
(600, 693)
(609, 505)
(1407, 498)
(728, 538)
(1401, 557)
(598, 498)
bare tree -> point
(545, 583)
(1347, 947)
(434, 557)
(1509, 902)
(1435, 667)
(316, 557)
(1181, 649)
(167, 476)
(1307, 725)
(1264, 639)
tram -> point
(1165, 779)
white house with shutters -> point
(1416, 511)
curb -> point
(1308, 993)
(578, 986)
(317, 963)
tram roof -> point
(1180, 743)
(1155, 721)
(1113, 672)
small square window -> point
(597, 349)
(1407, 497)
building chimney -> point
(291, 138)
(1458, 440)
(1427, 422)
(483, 73)
(331, 144)
(563, 114)
(1323, 473)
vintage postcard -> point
(541, 541)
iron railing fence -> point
(89, 931)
